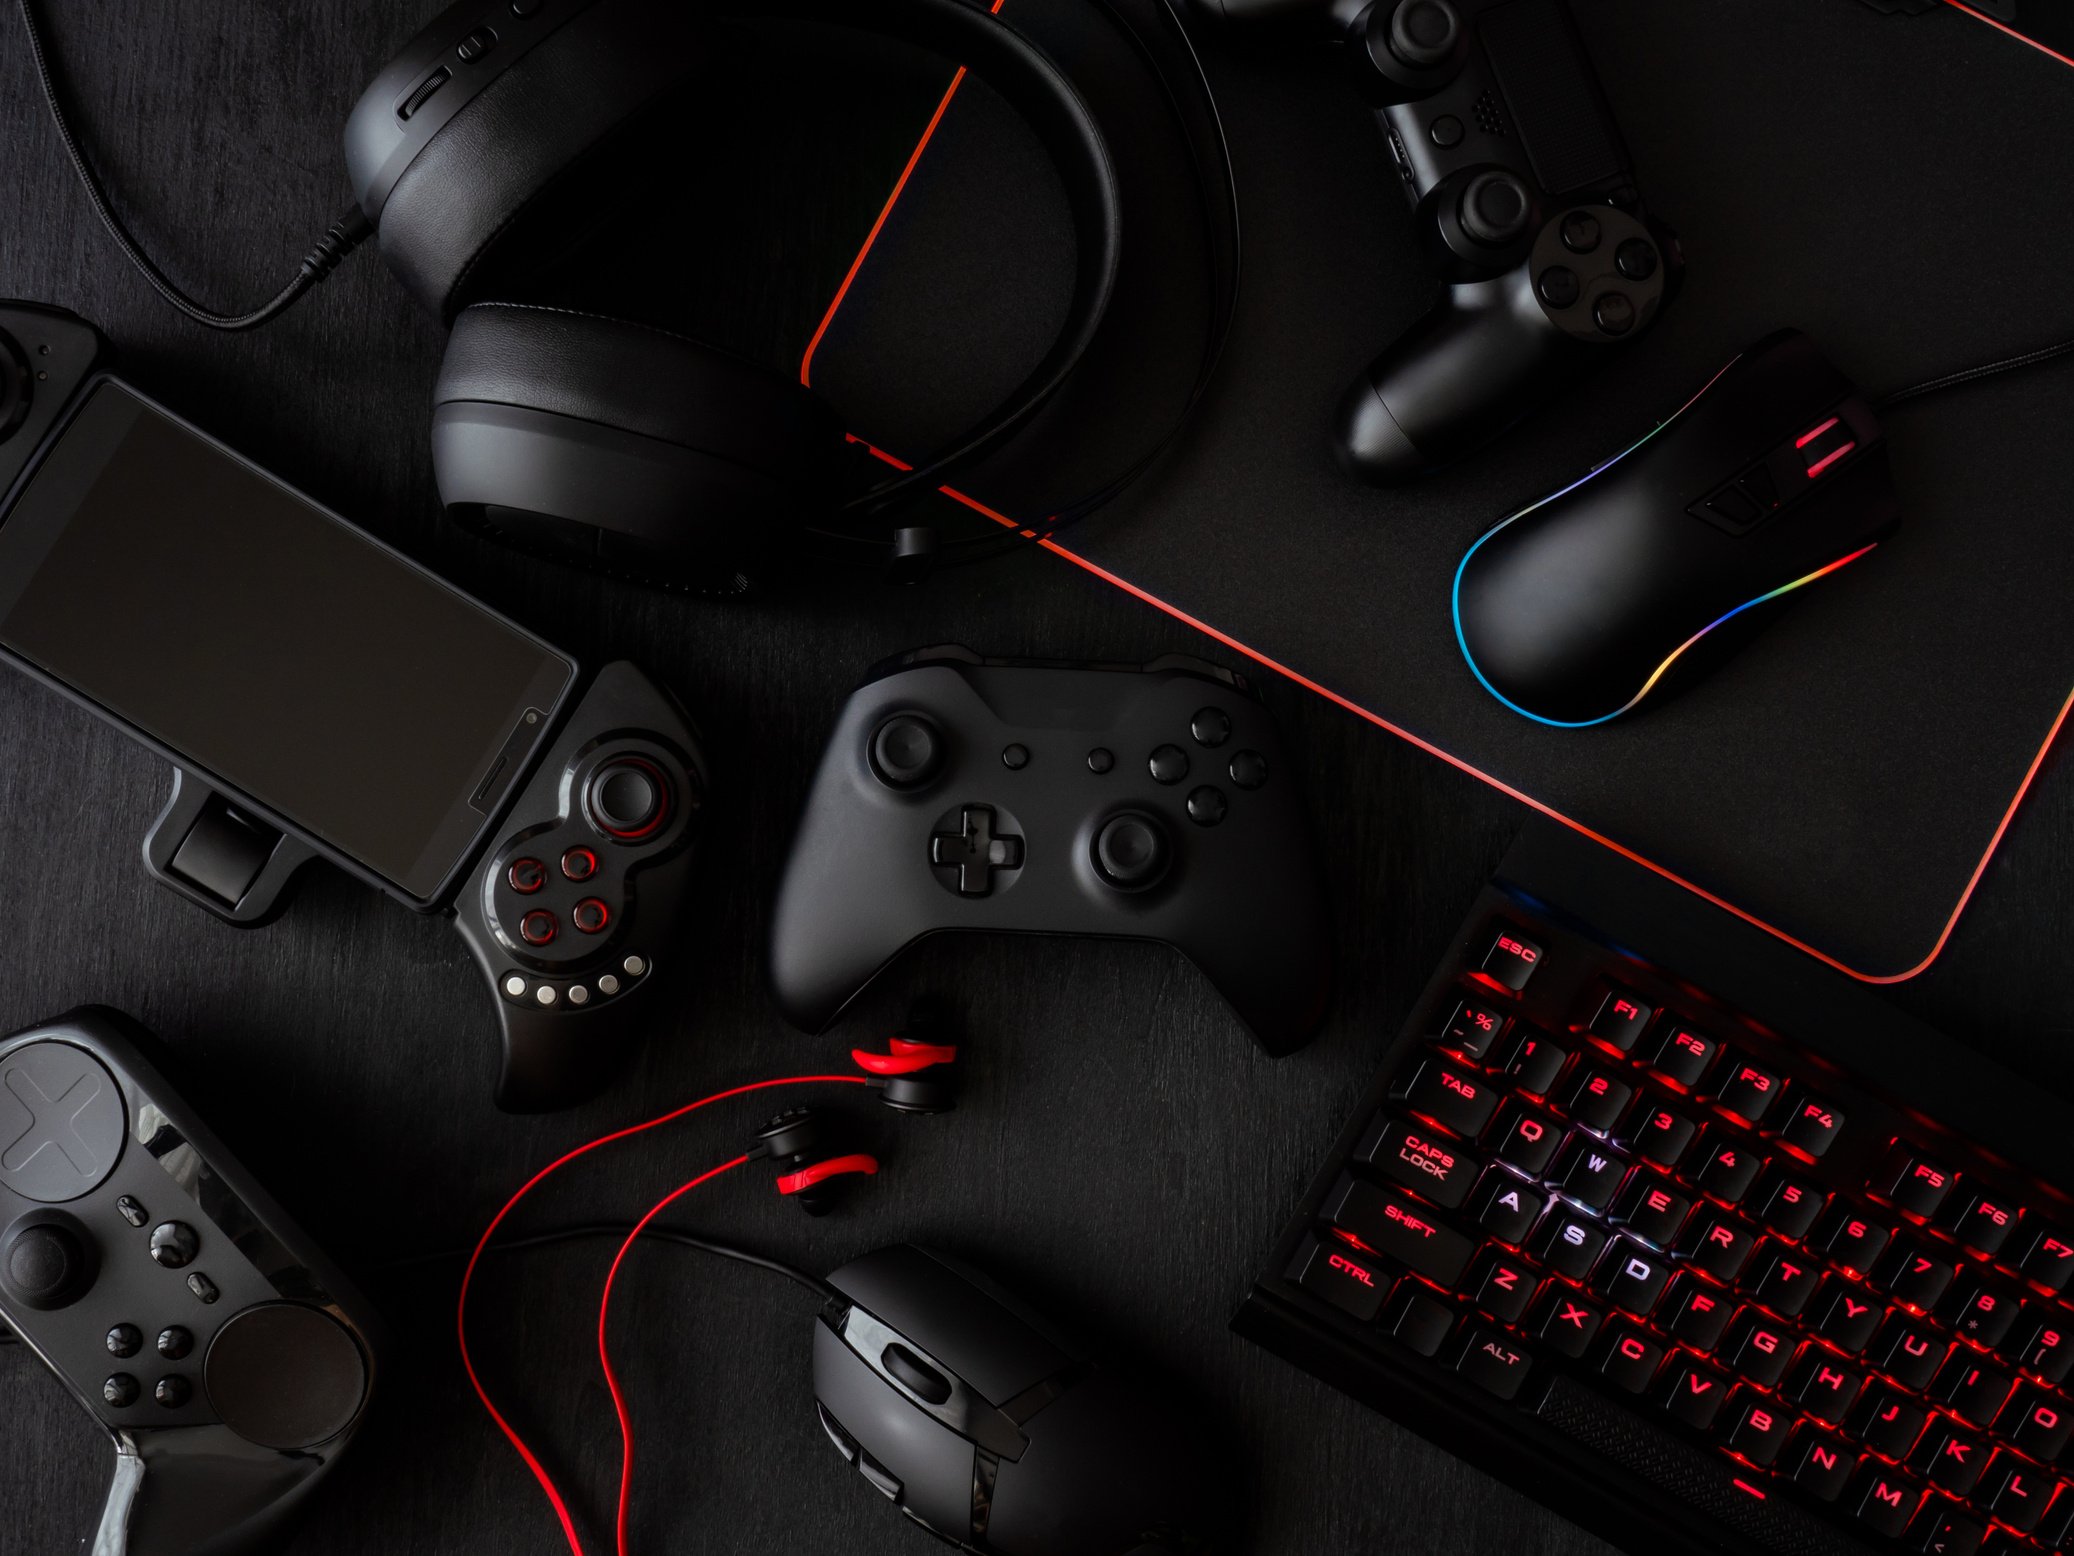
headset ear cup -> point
(627, 449)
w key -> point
(1451, 1099)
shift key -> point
(1398, 1228)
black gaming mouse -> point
(1577, 608)
(986, 1424)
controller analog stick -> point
(285, 1376)
(627, 798)
(1131, 851)
(1495, 208)
(906, 751)
(1423, 32)
(46, 1261)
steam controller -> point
(228, 1361)
(1526, 199)
(570, 916)
(1149, 803)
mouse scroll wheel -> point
(915, 1375)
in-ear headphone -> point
(603, 442)
(793, 1142)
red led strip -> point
(1959, 5)
(1461, 765)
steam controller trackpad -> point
(62, 1122)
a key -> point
(1851, 1240)
(1412, 1155)
(1398, 1228)
(1942, 1529)
(1984, 1314)
(2048, 1346)
(2048, 1256)
(1504, 1207)
(1758, 1347)
(2015, 1492)
(1454, 1100)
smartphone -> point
(283, 657)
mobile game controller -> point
(230, 1363)
(1147, 803)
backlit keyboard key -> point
(1630, 1277)
(1493, 1363)
(1823, 1386)
(1347, 1281)
(1696, 1314)
(1758, 1347)
(1971, 1388)
(1979, 1220)
(1597, 1098)
(1907, 1352)
(2039, 1423)
(1503, 1207)
(1586, 1173)
(1398, 1228)
(1510, 957)
(1501, 1285)
(1984, 1314)
(2048, 1345)
(1756, 1427)
(1811, 1123)
(1820, 1464)
(1727, 1167)
(1888, 1421)
(1851, 1240)
(1657, 1134)
(1620, 1018)
(1471, 1029)
(1409, 1154)
(1717, 1244)
(1453, 1100)
(1649, 1210)
(1950, 1458)
(1524, 1137)
(1845, 1314)
(1564, 1321)
(1915, 1184)
(2015, 1492)
(2048, 1256)
(1913, 1276)
(1534, 1061)
(1693, 1392)
(1746, 1089)
(1884, 1501)
(1786, 1204)
(1683, 1055)
(2057, 1530)
(1780, 1277)
(1943, 1529)
(1417, 1319)
(1567, 1245)
(1630, 1358)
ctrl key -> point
(1349, 1283)
(1492, 1361)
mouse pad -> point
(1893, 185)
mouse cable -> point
(584, 1232)
(1967, 375)
(339, 239)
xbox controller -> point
(1148, 803)
(1527, 203)
(228, 1361)
(569, 915)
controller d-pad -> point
(62, 1122)
(976, 850)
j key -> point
(1417, 1319)
(1883, 1501)
(1630, 1277)
(1912, 1181)
(1851, 1240)
(1907, 1352)
(1950, 1459)
(1523, 1137)
(1980, 1221)
(1348, 1282)
(1586, 1173)
(1972, 1389)
(2048, 1345)
(1941, 1529)
(1758, 1347)
(1810, 1122)
(1819, 1464)
(1510, 957)
(1755, 1426)
(1786, 1204)
(1727, 1168)
(1781, 1277)
(1844, 1314)
(1535, 1061)
(1564, 1321)
(1658, 1134)
(1567, 1245)
(1747, 1090)
(1693, 1392)
(1493, 1362)
(1683, 1055)
(1823, 1386)
(1717, 1244)
(1696, 1314)
(2048, 1257)
(1631, 1358)
(1501, 1286)
(1913, 1276)
(1471, 1028)
(1649, 1210)
(1410, 1154)
(1503, 1207)
(1888, 1422)
(1398, 1228)
(1596, 1098)
(1620, 1018)
(2015, 1492)
(2037, 1422)
(1450, 1098)
(1984, 1314)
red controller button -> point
(526, 876)
(591, 916)
(1511, 958)
(537, 927)
(579, 864)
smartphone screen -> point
(268, 644)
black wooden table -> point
(1123, 1152)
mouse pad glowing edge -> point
(1844, 781)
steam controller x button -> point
(906, 751)
(1580, 232)
(1210, 726)
(1131, 851)
(1100, 760)
(579, 864)
(1169, 764)
(125, 1340)
(591, 916)
(975, 851)
(174, 1343)
(174, 1244)
(537, 927)
(62, 1122)
(1495, 208)
(1249, 769)
(1614, 314)
(1206, 806)
(131, 1210)
(173, 1391)
(1446, 132)
(204, 1289)
(1559, 286)
(1636, 259)
(626, 799)
(526, 876)
(120, 1391)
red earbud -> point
(810, 1181)
(917, 1073)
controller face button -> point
(591, 916)
(526, 876)
(1580, 232)
(579, 995)
(537, 927)
(609, 984)
(515, 986)
(906, 751)
(975, 851)
(1100, 760)
(546, 994)
(1614, 314)
(120, 1391)
(1206, 806)
(1495, 208)
(1559, 286)
(285, 1376)
(627, 799)
(579, 864)
(1169, 764)
(125, 1340)
(1210, 726)
(1131, 851)
(1636, 259)
(174, 1244)
(173, 1391)
(1423, 32)
(174, 1343)
(203, 1289)
(132, 1210)
(1446, 132)
(1015, 757)
(1249, 769)
(633, 966)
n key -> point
(1451, 1099)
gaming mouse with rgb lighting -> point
(1581, 606)
(988, 1426)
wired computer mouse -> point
(986, 1424)
(1582, 606)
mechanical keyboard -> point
(1696, 1240)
